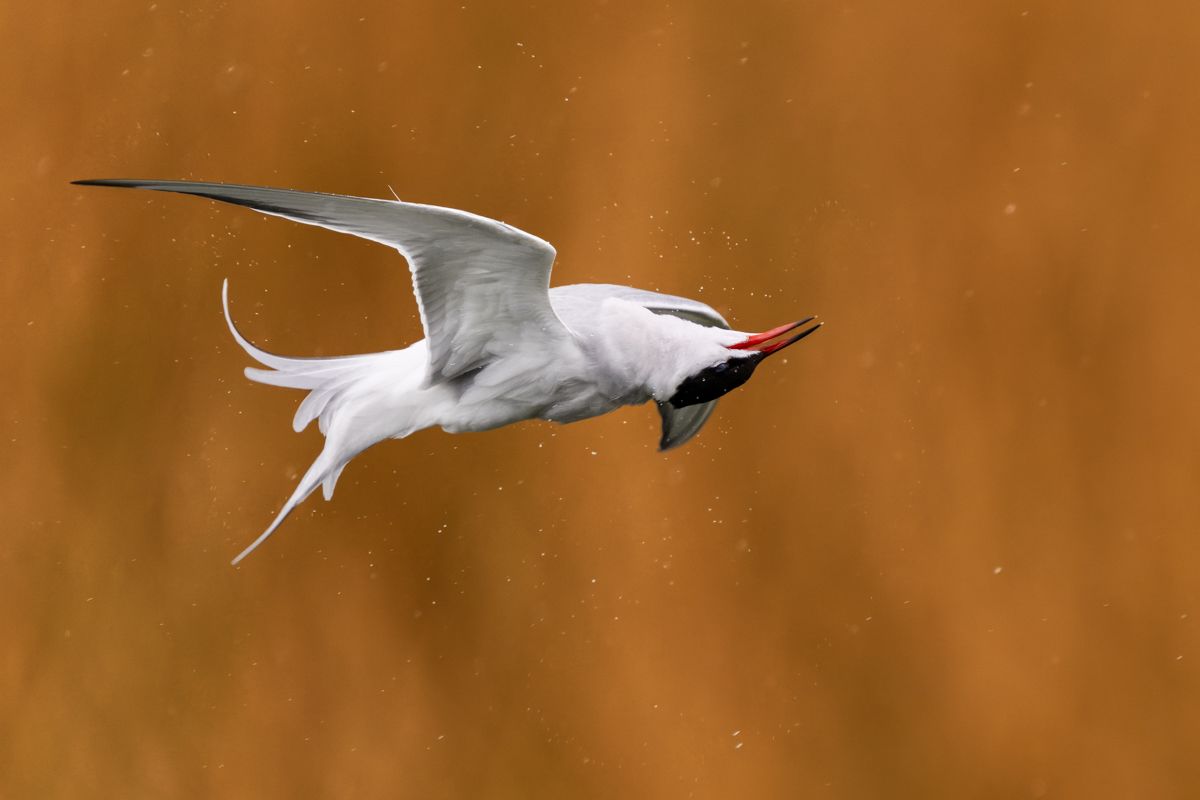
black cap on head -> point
(712, 382)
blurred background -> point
(948, 547)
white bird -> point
(500, 345)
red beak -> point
(753, 342)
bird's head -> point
(736, 364)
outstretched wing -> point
(481, 285)
(678, 424)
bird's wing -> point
(681, 424)
(481, 285)
(678, 424)
(685, 308)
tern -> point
(500, 345)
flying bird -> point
(500, 345)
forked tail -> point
(356, 400)
(318, 472)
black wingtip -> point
(118, 182)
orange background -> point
(950, 548)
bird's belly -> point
(570, 402)
(589, 402)
(564, 388)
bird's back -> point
(579, 301)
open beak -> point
(759, 341)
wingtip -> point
(104, 182)
(668, 443)
(133, 183)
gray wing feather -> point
(691, 310)
(681, 424)
(466, 269)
